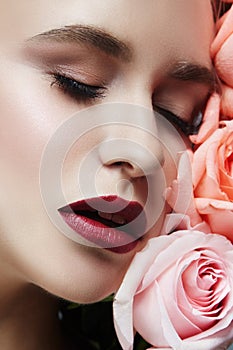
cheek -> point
(25, 127)
(30, 113)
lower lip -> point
(103, 236)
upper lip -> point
(130, 212)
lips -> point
(109, 222)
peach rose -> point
(213, 180)
(178, 293)
(222, 54)
(180, 197)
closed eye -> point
(187, 128)
(81, 92)
(78, 91)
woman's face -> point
(121, 60)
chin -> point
(87, 283)
(85, 294)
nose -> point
(133, 144)
(134, 158)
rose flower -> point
(213, 180)
(178, 293)
(222, 54)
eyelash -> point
(80, 92)
(185, 127)
(84, 93)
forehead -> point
(151, 24)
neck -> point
(28, 318)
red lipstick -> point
(108, 221)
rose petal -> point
(180, 195)
(223, 33)
(122, 306)
(224, 61)
(182, 222)
(209, 206)
(227, 101)
(210, 120)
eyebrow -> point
(186, 71)
(109, 44)
(88, 35)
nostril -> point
(118, 163)
(125, 164)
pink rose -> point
(180, 197)
(222, 54)
(178, 293)
(213, 180)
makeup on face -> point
(87, 76)
(70, 59)
(108, 221)
(95, 60)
